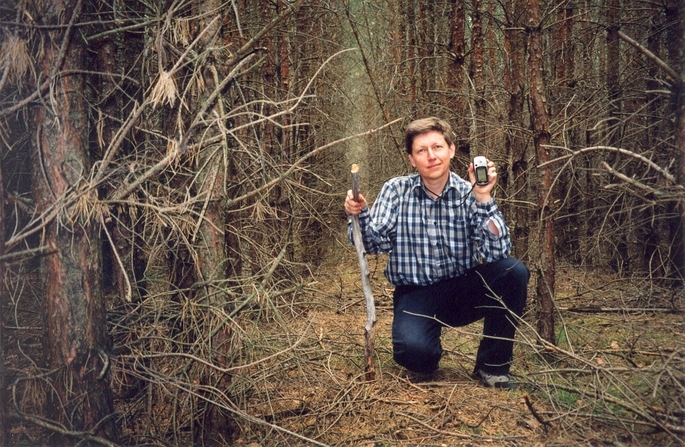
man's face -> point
(431, 155)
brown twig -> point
(535, 414)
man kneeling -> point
(449, 258)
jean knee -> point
(516, 271)
(517, 277)
(416, 356)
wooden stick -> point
(366, 282)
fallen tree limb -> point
(632, 310)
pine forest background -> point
(173, 174)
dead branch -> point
(25, 254)
(288, 11)
(657, 60)
(217, 368)
(55, 68)
(211, 99)
(372, 78)
(120, 264)
(628, 310)
(668, 176)
(639, 185)
(304, 158)
(534, 412)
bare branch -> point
(667, 175)
(304, 158)
(659, 62)
(58, 63)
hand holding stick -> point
(366, 282)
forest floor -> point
(617, 376)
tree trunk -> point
(515, 143)
(455, 78)
(478, 77)
(215, 427)
(678, 232)
(4, 403)
(75, 329)
(545, 268)
(619, 260)
(411, 44)
(564, 107)
(649, 231)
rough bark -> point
(515, 143)
(478, 78)
(455, 77)
(619, 260)
(411, 44)
(3, 396)
(216, 427)
(564, 108)
(649, 233)
(541, 136)
(678, 237)
(676, 57)
(75, 335)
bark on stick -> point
(366, 283)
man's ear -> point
(453, 150)
(411, 160)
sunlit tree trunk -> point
(541, 136)
(75, 329)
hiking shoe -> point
(503, 381)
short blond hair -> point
(423, 125)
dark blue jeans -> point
(492, 292)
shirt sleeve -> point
(490, 246)
(378, 223)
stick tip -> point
(354, 168)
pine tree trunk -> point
(4, 403)
(477, 75)
(620, 260)
(678, 257)
(514, 41)
(215, 426)
(75, 329)
(545, 269)
(455, 78)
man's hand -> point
(352, 207)
(482, 193)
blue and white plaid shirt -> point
(431, 240)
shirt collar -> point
(417, 184)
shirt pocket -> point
(456, 236)
(457, 230)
